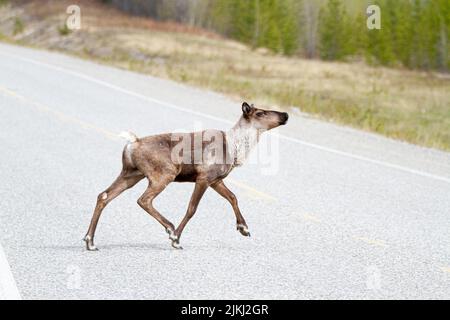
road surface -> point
(341, 214)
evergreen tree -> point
(332, 31)
(379, 41)
(288, 17)
(400, 12)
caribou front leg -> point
(222, 189)
(199, 191)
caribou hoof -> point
(243, 230)
(90, 244)
(176, 245)
(172, 235)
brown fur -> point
(152, 158)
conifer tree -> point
(332, 31)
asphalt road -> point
(341, 214)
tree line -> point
(414, 33)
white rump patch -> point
(129, 136)
(128, 151)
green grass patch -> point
(64, 30)
(19, 26)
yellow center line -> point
(374, 242)
(250, 190)
(311, 218)
(60, 115)
(445, 269)
(112, 136)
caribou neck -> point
(241, 139)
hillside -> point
(407, 105)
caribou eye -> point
(260, 114)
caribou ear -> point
(246, 108)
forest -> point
(414, 33)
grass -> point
(407, 105)
(19, 26)
(64, 30)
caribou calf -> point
(204, 158)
